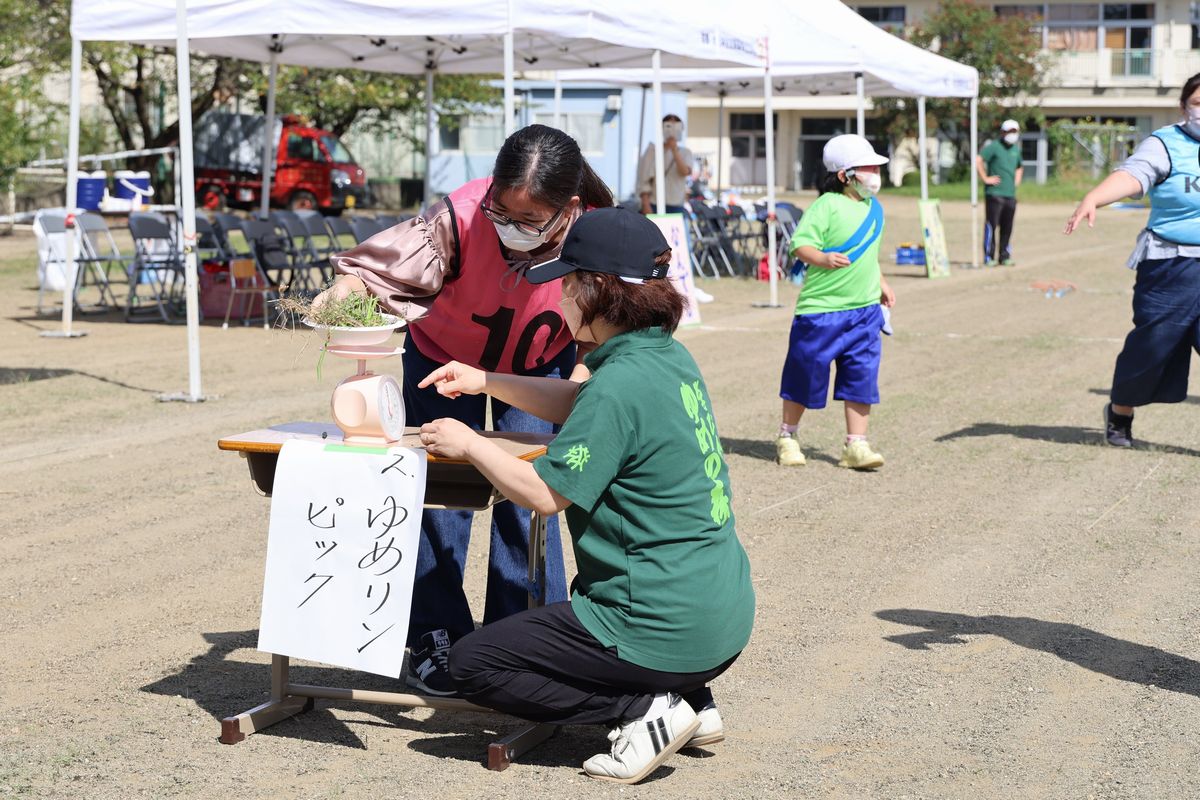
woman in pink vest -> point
(455, 272)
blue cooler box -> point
(90, 188)
(909, 254)
(132, 186)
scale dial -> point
(391, 408)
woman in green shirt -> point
(662, 603)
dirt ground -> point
(1007, 610)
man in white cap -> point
(999, 166)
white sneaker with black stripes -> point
(641, 746)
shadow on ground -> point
(1060, 434)
(764, 450)
(224, 687)
(13, 375)
(1098, 652)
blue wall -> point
(616, 163)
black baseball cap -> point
(612, 240)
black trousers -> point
(998, 224)
(543, 665)
(1153, 366)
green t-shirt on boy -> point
(662, 575)
(830, 222)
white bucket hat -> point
(850, 150)
(1010, 125)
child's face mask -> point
(672, 130)
(867, 184)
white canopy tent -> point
(824, 47)
(415, 36)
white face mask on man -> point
(1011, 137)
(672, 130)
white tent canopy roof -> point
(817, 48)
(458, 36)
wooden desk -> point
(449, 484)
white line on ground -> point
(1128, 494)
(788, 500)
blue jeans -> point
(438, 597)
(1153, 366)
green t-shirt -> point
(830, 222)
(1003, 160)
(662, 575)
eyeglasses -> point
(523, 227)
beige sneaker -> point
(788, 453)
(711, 730)
(859, 455)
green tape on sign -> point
(349, 448)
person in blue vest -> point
(840, 312)
(1153, 365)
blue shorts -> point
(851, 339)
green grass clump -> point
(353, 311)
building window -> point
(890, 18)
(473, 133)
(1086, 27)
(587, 129)
(1196, 26)
(751, 122)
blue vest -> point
(1175, 203)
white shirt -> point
(675, 186)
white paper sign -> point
(674, 229)
(341, 554)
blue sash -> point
(867, 234)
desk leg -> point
(503, 752)
(279, 707)
(536, 560)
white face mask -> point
(574, 319)
(672, 130)
(1011, 138)
(1192, 123)
(520, 241)
(867, 184)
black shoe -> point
(429, 665)
(1118, 428)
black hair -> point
(548, 164)
(830, 182)
(1189, 88)
(672, 118)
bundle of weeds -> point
(353, 311)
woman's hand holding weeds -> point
(343, 287)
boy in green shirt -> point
(838, 315)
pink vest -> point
(474, 319)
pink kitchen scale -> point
(367, 407)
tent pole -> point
(921, 147)
(974, 182)
(510, 124)
(187, 202)
(720, 140)
(268, 173)
(557, 101)
(427, 200)
(772, 229)
(660, 190)
(71, 267)
(861, 106)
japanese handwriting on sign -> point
(695, 405)
(341, 554)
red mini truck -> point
(313, 169)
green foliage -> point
(1087, 147)
(27, 120)
(1005, 50)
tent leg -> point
(921, 148)
(660, 191)
(268, 145)
(861, 104)
(974, 182)
(72, 268)
(428, 198)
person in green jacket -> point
(999, 167)
(662, 603)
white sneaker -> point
(701, 295)
(711, 730)
(641, 746)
